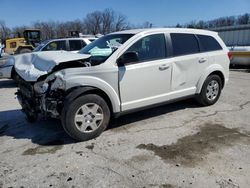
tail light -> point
(230, 55)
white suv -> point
(119, 73)
(67, 44)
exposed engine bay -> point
(41, 88)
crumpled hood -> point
(31, 66)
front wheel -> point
(86, 117)
(211, 91)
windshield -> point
(102, 48)
(40, 46)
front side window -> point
(55, 45)
(209, 43)
(151, 47)
(184, 44)
(102, 48)
(75, 45)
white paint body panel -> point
(143, 84)
(5, 72)
(6, 67)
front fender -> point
(89, 81)
(207, 72)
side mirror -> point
(128, 57)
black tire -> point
(202, 98)
(25, 50)
(14, 75)
(68, 117)
(31, 118)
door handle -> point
(202, 60)
(163, 67)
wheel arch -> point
(75, 92)
(220, 74)
(215, 69)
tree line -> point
(219, 22)
(97, 22)
(107, 21)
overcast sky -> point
(159, 12)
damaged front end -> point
(42, 99)
(41, 87)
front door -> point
(148, 80)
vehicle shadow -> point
(7, 84)
(241, 68)
(50, 132)
(43, 132)
(152, 113)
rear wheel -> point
(86, 117)
(211, 91)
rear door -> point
(189, 63)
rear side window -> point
(184, 44)
(75, 45)
(209, 43)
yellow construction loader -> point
(18, 45)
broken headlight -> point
(41, 87)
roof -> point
(176, 30)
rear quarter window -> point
(208, 43)
(184, 44)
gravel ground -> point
(176, 145)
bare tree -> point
(121, 22)
(108, 18)
(244, 19)
(18, 31)
(48, 29)
(4, 30)
(192, 24)
(93, 22)
(105, 22)
(147, 24)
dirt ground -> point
(176, 145)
